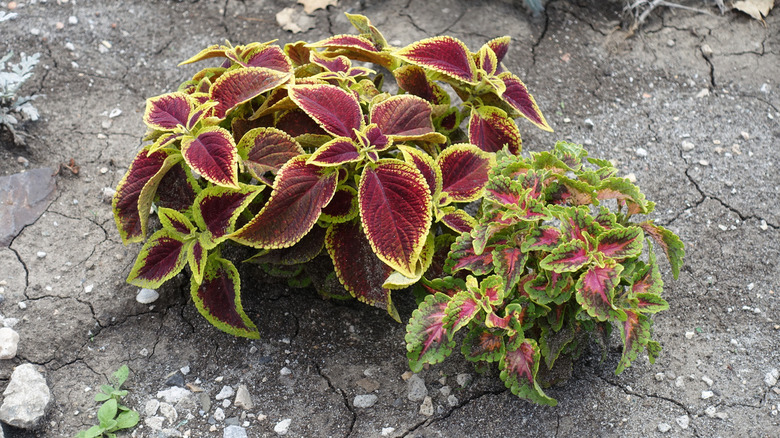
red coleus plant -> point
(555, 253)
(299, 153)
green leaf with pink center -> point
(621, 243)
(427, 339)
(462, 308)
(218, 298)
(518, 371)
(669, 242)
(596, 290)
(567, 257)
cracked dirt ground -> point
(81, 321)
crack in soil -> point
(460, 405)
(343, 396)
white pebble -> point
(150, 409)
(116, 112)
(147, 296)
(710, 411)
(689, 335)
(683, 421)
(70, 47)
(22, 305)
(226, 392)
(641, 152)
(185, 369)
(40, 254)
(88, 288)
(664, 427)
(285, 371)
(706, 394)
(219, 414)
(660, 377)
(9, 342)
(771, 377)
(707, 380)
(687, 146)
(364, 401)
(387, 431)
(282, 427)
(73, 20)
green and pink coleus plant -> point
(557, 252)
(299, 153)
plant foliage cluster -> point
(12, 77)
(112, 415)
(298, 152)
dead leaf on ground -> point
(294, 21)
(310, 6)
(72, 166)
(755, 8)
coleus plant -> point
(297, 151)
(558, 251)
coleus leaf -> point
(360, 271)
(500, 47)
(413, 80)
(405, 117)
(340, 150)
(175, 221)
(217, 209)
(650, 280)
(543, 238)
(347, 42)
(364, 26)
(505, 191)
(397, 280)
(461, 309)
(241, 85)
(625, 192)
(426, 336)
(462, 256)
(621, 243)
(169, 111)
(271, 57)
(336, 110)
(487, 60)
(483, 345)
(509, 261)
(161, 258)
(266, 150)
(490, 292)
(342, 207)
(218, 298)
(464, 169)
(518, 371)
(595, 290)
(427, 167)
(566, 257)
(576, 222)
(297, 52)
(135, 192)
(442, 54)
(395, 209)
(669, 242)
(447, 285)
(309, 247)
(456, 219)
(177, 189)
(300, 191)
(212, 51)
(650, 303)
(635, 334)
(552, 342)
(518, 97)
(197, 255)
(213, 154)
(297, 124)
(492, 130)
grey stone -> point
(364, 401)
(219, 414)
(683, 421)
(771, 377)
(282, 427)
(243, 399)
(177, 379)
(9, 341)
(147, 296)
(234, 432)
(23, 198)
(232, 421)
(416, 388)
(226, 392)
(27, 398)
(169, 413)
(463, 379)
(426, 408)
(664, 427)
(173, 395)
(150, 409)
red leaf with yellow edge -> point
(518, 371)
(426, 338)
(168, 111)
(464, 169)
(213, 154)
(413, 80)
(443, 54)
(218, 299)
(347, 42)
(334, 64)
(175, 221)
(375, 138)
(518, 97)
(487, 60)
(266, 150)
(196, 257)
(457, 220)
(135, 192)
(500, 47)
(297, 52)
(336, 110)
(338, 151)
(595, 290)
(492, 130)
(403, 117)
(212, 51)
(161, 258)
(300, 192)
(241, 85)
(216, 209)
(425, 164)
(177, 189)
(343, 207)
(395, 209)
(308, 248)
(297, 123)
(271, 57)
(357, 267)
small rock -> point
(707, 380)
(706, 50)
(26, 399)
(683, 421)
(445, 390)
(116, 112)
(205, 401)
(687, 146)
(660, 377)
(154, 423)
(670, 43)
(177, 379)
(631, 177)
(185, 370)
(703, 93)
(226, 403)
(679, 382)
(707, 394)
(9, 341)
(426, 408)
(150, 408)
(169, 412)
(710, 411)
(407, 375)
(147, 296)
(243, 399)
(452, 401)
(722, 415)
(173, 395)
(234, 432)
(641, 152)
(40, 254)
(689, 335)
(23, 161)
(387, 431)
(232, 421)
(73, 20)
(463, 379)
(368, 385)
(219, 414)
(70, 47)
(285, 371)
(282, 427)
(416, 388)
(364, 401)
(589, 123)
(771, 377)
(252, 350)
(664, 427)
(226, 392)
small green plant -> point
(12, 77)
(556, 254)
(112, 415)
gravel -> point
(416, 388)
(234, 432)
(226, 392)
(364, 401)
